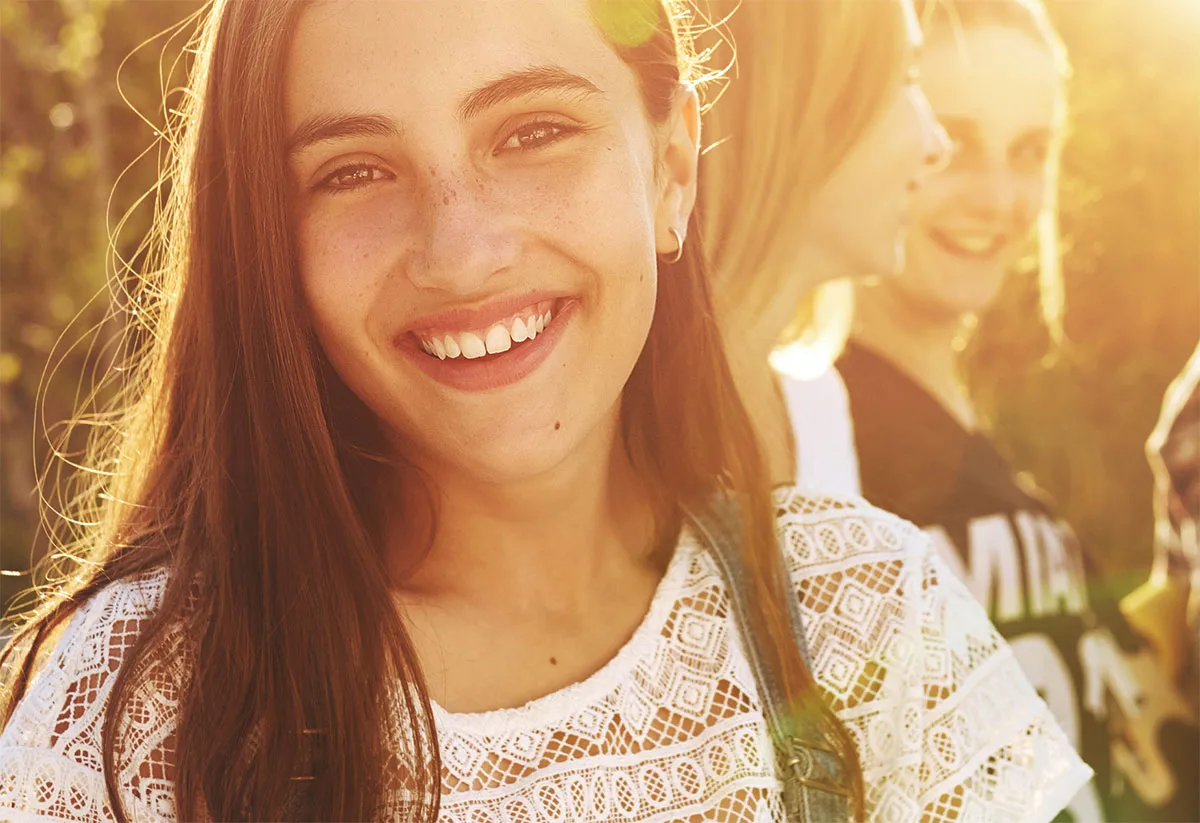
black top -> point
(1026, 566)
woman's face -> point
(997, 93)
(859, 215)
(478, 202)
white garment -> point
(819, 411)
(671, 727)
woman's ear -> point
(680, 160)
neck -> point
(750, 337)
(542, 541)
(920, 342)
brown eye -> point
(354, 176)
(536, 135)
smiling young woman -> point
(409, 516)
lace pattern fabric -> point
(946, 726)
(51, 758)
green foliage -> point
(1077, 419)
(66, 134)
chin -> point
(505, 453)
(966, 286)
(963, 296)
(976, 287)
(515, 448)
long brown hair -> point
(243, 460)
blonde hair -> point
(807, 81)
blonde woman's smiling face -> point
(998, 93)
(478, 201)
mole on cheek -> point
(557, 425)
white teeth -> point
(472, 347)
(973, 243)
(498, 339)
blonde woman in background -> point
(816, 147)
(816, 160)
(994, 72)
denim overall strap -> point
(808, 767)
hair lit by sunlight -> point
(1186, 12)
(817, 336)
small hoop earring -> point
(679, 249)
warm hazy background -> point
(1075, 420)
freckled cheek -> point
(349, 244)
(345, 258)
(597, 210)
(578, 186)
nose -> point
(464, 237)
(936, 145)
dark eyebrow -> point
(520, 83)
(509, 87)
(337, 126)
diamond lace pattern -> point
(946, 726)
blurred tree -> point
(66, 134)
(1077, 419)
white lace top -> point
(947, 728)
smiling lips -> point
(522, 326)
(971, 244)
